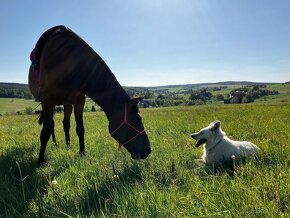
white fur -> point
(219, 148)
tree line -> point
(204, 96)
(15, 93)
(165, 97)
(248, 94)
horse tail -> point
(41, 118)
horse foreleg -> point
(78, 111)
(66, 123)
(45, 133)
(52, 132)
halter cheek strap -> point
(125, 122)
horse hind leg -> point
(41, 120)
(45, 132)
(66, 123)
(78, 111)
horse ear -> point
(216, 125)
(136, 100)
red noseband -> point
(125, 122)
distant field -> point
(13, 105)
(170, 183)
(284, 96)
(284, 90)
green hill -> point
(12, 105)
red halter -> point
(132, 127)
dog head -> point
(208, 134)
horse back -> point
(68, 62)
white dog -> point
(218, 148)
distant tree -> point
(161, 96)
(255, 87)
(148, 95)
(219, 97)
(248, 98)
(159, 102)
(227, 101)
(248, 94)
(14, 92)
(202, 94)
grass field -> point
(11, 105)
(284, 93)
(170, 183)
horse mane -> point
(36, 52)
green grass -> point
(170, 183)
(13, 105)
(9, 106)
(284, 93)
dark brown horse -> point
(66, 123)
(70, 69)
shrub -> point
(28, 110)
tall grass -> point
(170, 183)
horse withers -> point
(70, 69)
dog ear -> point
(216, 125)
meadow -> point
(14, 105)
(170, 183)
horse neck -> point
(106, 91)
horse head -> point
(127, 128)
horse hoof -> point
(82, 153)
(40, 164)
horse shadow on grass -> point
(100, 197)
(20, 181)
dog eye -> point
(201, 132)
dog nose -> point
(192, 136)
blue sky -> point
(158, 42)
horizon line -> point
(185, 84)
